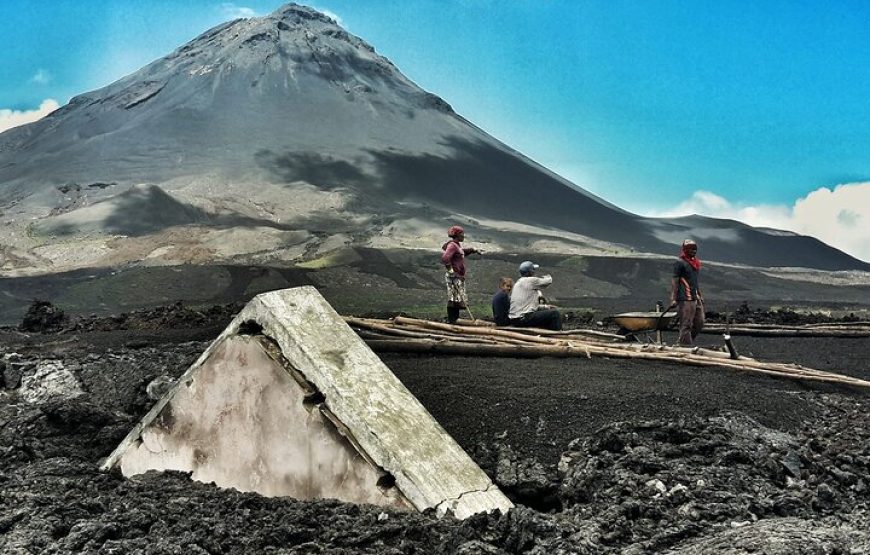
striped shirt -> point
(687, 281)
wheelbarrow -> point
(633, 323)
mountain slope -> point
(287, 123)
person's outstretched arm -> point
(541, 281)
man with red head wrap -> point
(454, 261)
(686, 293)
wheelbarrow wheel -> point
(628, 334)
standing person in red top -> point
(454, 261)
(686, 293)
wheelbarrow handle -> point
(659, 321)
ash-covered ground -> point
(601, 456)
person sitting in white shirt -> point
(526, 311)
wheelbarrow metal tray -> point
(644, 321)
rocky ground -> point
(601, 456)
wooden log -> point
(434, 330)
(793, 371)
(696, 356)
(787, 332)
(500, 342)
(493, 332)
(502, 335)
(449, 347)
(523, 335)
(371, 334)
(479, 323)
(540, 331)
(585, 345)
(569, 333)
(841, 324)
(432, 346)
(678, 354)
(835, 379)
(419, 324)
(488, 324)
(507, 340)
(523, 339)
(388, 330)
(654, 347)
(837, 325)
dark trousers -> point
(691, 321)
(452, 314)
(548, 319)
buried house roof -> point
(288, 400)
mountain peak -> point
(296, 13)
(289, 123)
(294, 33)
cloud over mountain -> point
(14, 118)
(840, 216)
(233, 11)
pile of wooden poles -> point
(839, 329)
(477, 338)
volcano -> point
(284, 137)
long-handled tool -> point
(466, 303)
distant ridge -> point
(299, 134)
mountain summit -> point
(283, 137)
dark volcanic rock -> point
(660, 483)
(784, 536)
(780, 316)
(13, 366)
(42, 316)
(172, 316)
(689, 477)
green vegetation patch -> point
(338, 257)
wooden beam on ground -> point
(759, 330)
(540, 331)
(404, 334)
(489, 332)
(769, 369)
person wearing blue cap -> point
(526, 310)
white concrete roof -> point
(387, 425)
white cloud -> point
(14, 118)
(838, 217)
(332, 15)
(232, 11)
(41, 77)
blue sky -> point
(756, 111)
